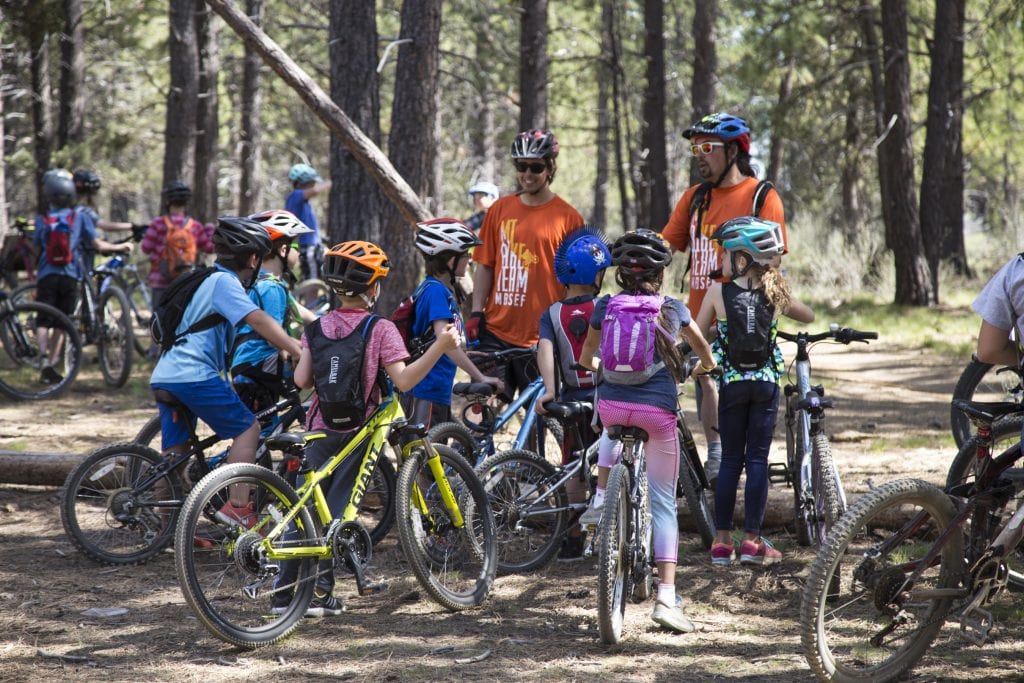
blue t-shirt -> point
(435, 302)
(83, 232)
(297, 203)
(270, 295)
(547, 331)
(201, 355)
(659, 390)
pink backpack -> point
(628, 335)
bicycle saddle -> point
(617, 432)
(564, 411)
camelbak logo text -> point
(751, 319)
(333, 377)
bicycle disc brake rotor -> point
(355, 537)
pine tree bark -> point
(599, 216)
(182, 95)
(42, 123)
(705, 66)
(533, 65)
(485, 142)
(654, 160)
(942, 181)
(777, 149)
(354, 207)
(204, 205)
(250, 135)
(903, 228)
(3, 166)
(72, 76)
(412, 143)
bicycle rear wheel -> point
(1005, 434)
(529, 515)
(222, 567)
(613, 556)
(106, 513)
(982, 382)
(21, 359)
(874, 624)
(458, 438)
(115, 340)
(455, 564)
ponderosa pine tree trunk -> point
(355, 205)
(250, 136)
(42, 123)
(182, 95)
(204, 205)
(533, 65)
(654, 164)
(72, 75)
(705, 66)
(412, 143)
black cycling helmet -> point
(86, 181)
(535, 144)
(641, 250)
(58, 187)
(176, 192)
(236, 238)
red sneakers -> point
(754, 553)
(243, 516)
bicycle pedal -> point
(373, 589)
(778, 473)
(977, 630)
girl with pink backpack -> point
(637, 331)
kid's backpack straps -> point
(571, 322)
(179, 255)
(760, 195)
(338, 373)
(58, 237)
(749, 316)
(404, 316)
(171, 310)
(628, 335)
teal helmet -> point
(758, 237)
(302, 174)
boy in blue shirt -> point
(306, 184)
(256, 370)
(445, 245)
(60, 237)
(580, 262)
(193, 370)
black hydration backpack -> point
(749, 317)
(338, 373)
(171, 309)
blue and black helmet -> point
(723, 126)
(581, 256)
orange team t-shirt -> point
(519, 243)
(726, 203)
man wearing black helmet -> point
(721, 145)
(192, 371)
(515, 279)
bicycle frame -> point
(527, 399)
(386, 421)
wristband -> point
(706, 369)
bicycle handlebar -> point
(843, 335)
(506, 354)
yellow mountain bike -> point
(446, 530)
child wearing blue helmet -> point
(741, 315)
(580, 262)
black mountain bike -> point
(21, 359)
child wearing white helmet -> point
(482, 194)
(445, 245)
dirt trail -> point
(891, 420)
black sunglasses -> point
(537, 169)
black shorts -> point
(59, 291)
(518, 372)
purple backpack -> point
(628, 333)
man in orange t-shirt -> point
(515, 276)
(721, 144)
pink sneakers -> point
(244, 516)
(722, 555)
(753, 553)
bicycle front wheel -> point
(698, 499)
(982, 382)
(1005, 434)
(22, 361)
(223, 568)
(458, 438)
(613, 556)
(115, 338)
(454, 562)
(827, 504)
(875, 623)
(115, 509)
(529, 515)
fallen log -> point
(36, 469)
